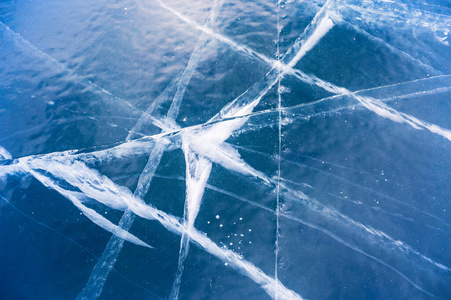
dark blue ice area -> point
(225, 149)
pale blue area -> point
(363, 189)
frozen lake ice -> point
(225, 149)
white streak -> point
(279, 106)
(353, 229)
(171, 223)
(392, 48)
(97, 279)
(317, 29)
(325, 24)
(375, 105)
(241, 48)
(369, 235)
(77, 198)
(343, 242)
(290, 215)
(81, 79)
(4, 154)
(233, 259)
(322, 23)
(201, 147)
(177, 86)
(417, 94)
(198, 170)
(164, 97)
(356, 231)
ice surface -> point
(225, 149)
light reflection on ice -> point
(206, 147)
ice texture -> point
(225, 149)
